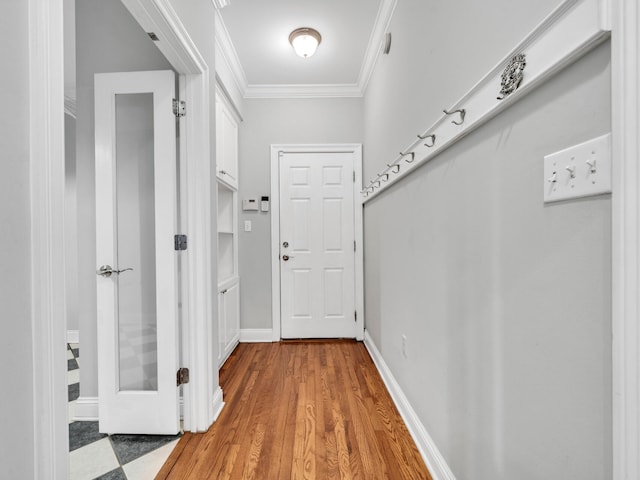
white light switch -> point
(579, 171)
(247, 225)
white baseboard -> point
(86, 409)
(431, 455)
(73, 336)
(218, 403)
(256, 335)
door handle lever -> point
(287, 257)
(107, 271)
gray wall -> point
(108, 39)
(293, 121)
(505, 301)
(16, 396)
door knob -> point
(107, 271)
(286, 257)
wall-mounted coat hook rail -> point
(433, 140)
(462, 113)
(392, 166)
(413, 156)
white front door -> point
(317, 260)
(136, 211)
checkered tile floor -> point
(94, 455)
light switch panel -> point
(579, 171)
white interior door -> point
(317, 260)
(136, 211)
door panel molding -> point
(276, 151)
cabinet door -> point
(226, 145)
(221, 328)
(232, 317)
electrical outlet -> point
(579, 171)
(247, 225)
(404, 346)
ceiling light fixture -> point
(305, 41)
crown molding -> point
(228, 52)
(220, 3)
(70, 104)
(373, 51)
(303, 91)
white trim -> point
(47, 180)
(374, 48)
(70, 106)
(436, 464)
(220, 3)
(256, 335)
(570, 31)
(303, 91)
(218, 403)
(175, 43)
(73, 336)
(228, 55)
(86, 409)
(625, 64)
(356, 150)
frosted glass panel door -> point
(135, 226)
(317, 261)
(136, 212)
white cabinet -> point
(228, 315)
(228, 284)
(226, 144)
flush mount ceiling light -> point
(305, 41)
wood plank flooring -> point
(300, 410)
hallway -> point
(301, 409)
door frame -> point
(202, 397)
(276, 151)
(625, 116)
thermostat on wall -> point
(264, 204)
(250, 204)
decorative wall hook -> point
(413, 156)
(396, 166)
(433, 140)
(462, 113)
(512, 76)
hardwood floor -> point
(300, 410)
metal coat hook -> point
(385, 175)
(413, 156)
(462, 113)
(422, 137)
(396, 166)
(433, 140)
(378, 182)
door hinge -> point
(179, 108)
(354, 176)
(354, 245)
(182, 376)
(180, 242)
(355, 316)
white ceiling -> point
(257, 34)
